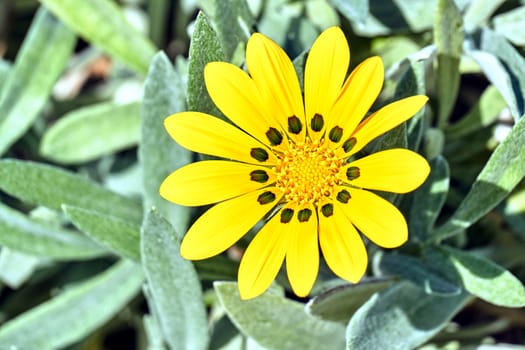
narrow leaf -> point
(78, 311)
(259, 318)
(511, 24)
(204, 48)
(479, 12)
(120, 236)
(429, 199)
(480, 276)
(401, 317)
(159, 155)
(355, 11)
(340, 303)
(19, 232)
(504, 169)
(51, 187)
(91, 132)
(103, 24)
(40, 61)
(16, 267)
(173, 285)
(234, 22)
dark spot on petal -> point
(274, 136)
(352, 173)
(343, 196)
(349, 144)
(286, 215)
(327, 210)
(317, 122)
(304, 214)
(259, 154)
(259, 176)
(294, 125)
(335, 134)
(266, 197)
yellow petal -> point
(213, 181)
(263, 258)
(342, 247)
(393, 170)
(225, 223)
(203, 133)
(325, 72)
(275, 77)
(386, 119)
(376, 218)
(357, 96)
(236, 95)
(302, 254)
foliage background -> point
(89, 251)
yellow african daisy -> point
(292, 163)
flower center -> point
(308, 172)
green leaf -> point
(16, 267)
(503, 65)
(120, 236)
(259, 318)
(419, 273)
(102, 23)
(173, 285)
(479, 12)
(480, 276)
(355, 11)
(5, 68)
(448, 29)
(91, 132)
(159, 155)
(483, 113)
(205, 47)
(504, 169)
(511, 25)
(340, 303)
(401, 317)
(76, 312)
(17, 231)
(429, 199)
(233, 21)
(51, 187)
(40, 61)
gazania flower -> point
(292, 164)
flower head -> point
(292, 163)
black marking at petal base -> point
(274, 136)
(327, 210)
(343, 196)
(266, 197)
(286, 215)
(352, 173)
(259, 176)
(317, 122)
(259, 154)
(304, 214)
(335, 134)
(294, 125)
(349, 144)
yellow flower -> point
(292, 163)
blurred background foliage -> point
(86, 263)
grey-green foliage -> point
(173, 286)
(511, 24)
(259, 318)
(401, 317)
(159, 155)
(102, 23)
(120, 236)
(340, 303)
(503, 171)
(76, 312)
(233, 21)
(90, 132)
(40, 61)
(356, 11)
(18, 231)
(51, 187)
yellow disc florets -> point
(308, 172)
